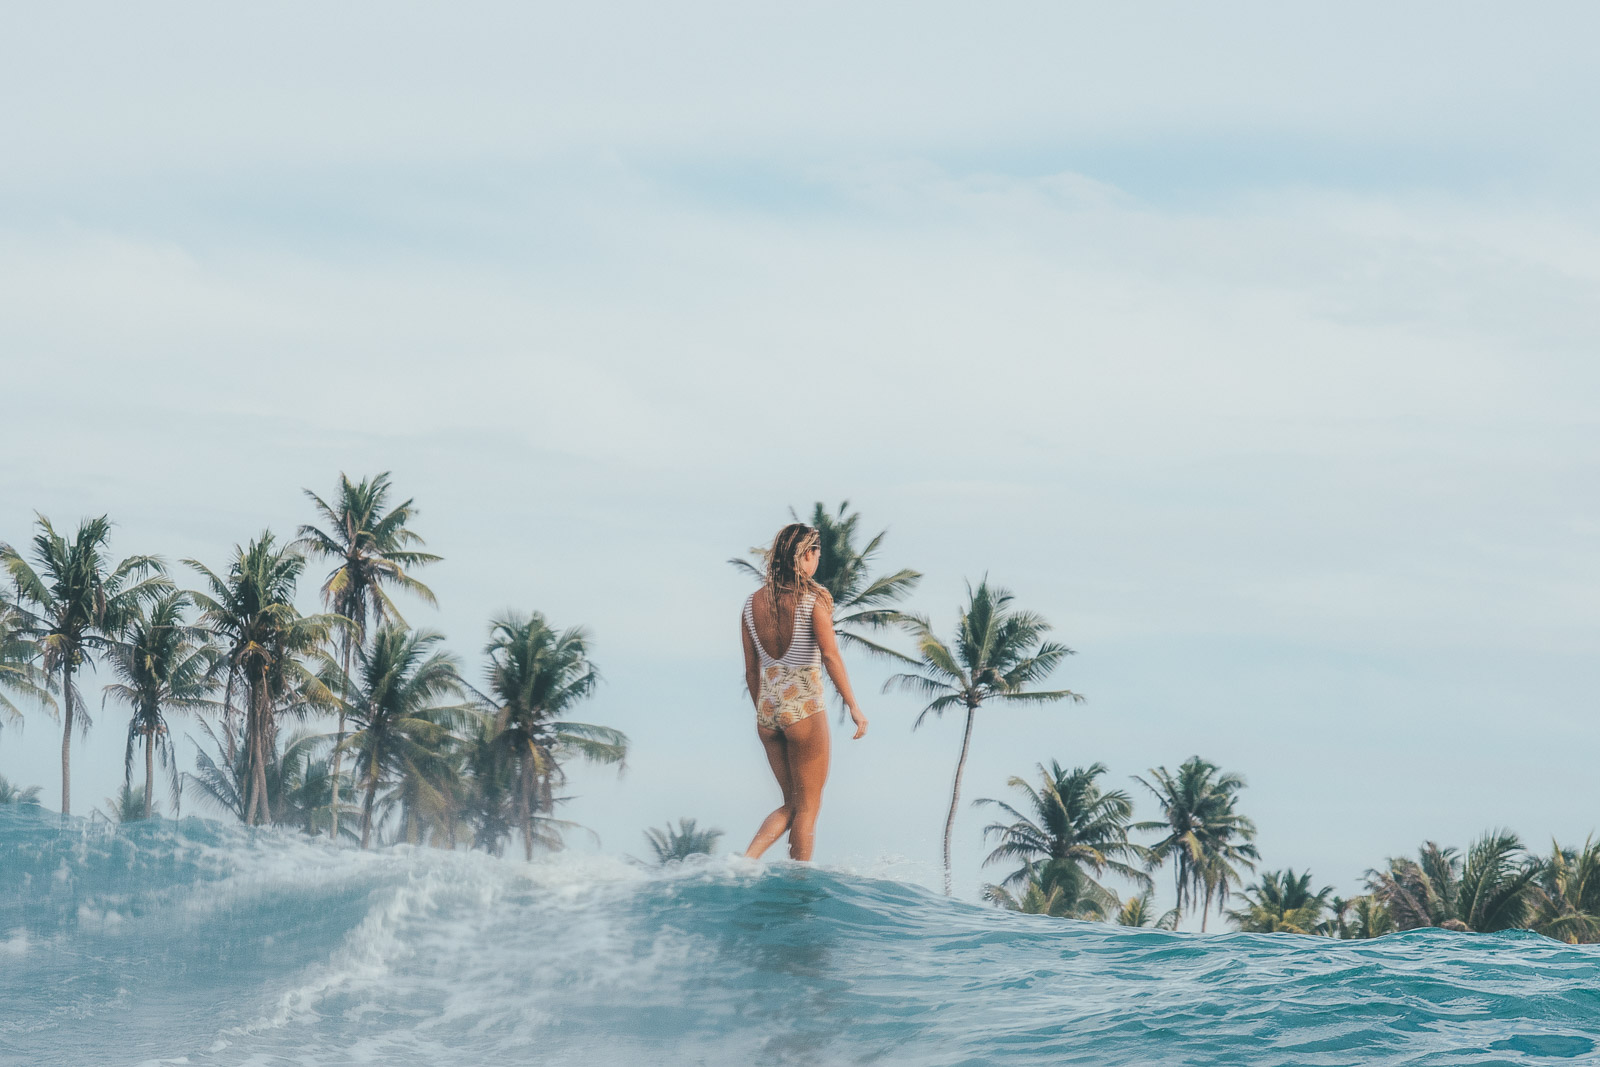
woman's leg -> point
(807, 741)
(774, 825)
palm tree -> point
(1206, 839)
(1139, 911)
(536, 676)
(127, 806)
(19, 674)
(14, 794)
(488, 799)
(1569, 894)
(862, 603)
(1282, 902)
(372, 548)
(300, 784)
(428, 791)
(1494, 888)
(79, 601)
(264, 641)
(164, 664)
(999, 652)
(1055, 887)
(1071, 821)
(687, 840)
(1372, 918)
(398, 705)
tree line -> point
(432, 756)
(440, 761)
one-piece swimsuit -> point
(791, 684)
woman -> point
(787, 627)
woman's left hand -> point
(861, 724)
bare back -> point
(775, 629)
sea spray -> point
(200, 943)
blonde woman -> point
(787, 628)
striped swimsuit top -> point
(802, 651)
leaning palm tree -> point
(1071, 820)
(20, 675)
(998, 653)
(537, 675)
(679, 844)
(1568, 905)
(1139, 911)
(264, 643)
(1282, 902)
(371, 548)
(863, 604)
(1494, 887)
(401, 707)
(165, 665)
(1206, 838)
(78, 602)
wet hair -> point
(783, 563)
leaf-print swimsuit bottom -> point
(788, 695)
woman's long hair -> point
(783, 571)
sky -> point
(1253, 345)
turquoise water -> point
(201, 944)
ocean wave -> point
(197, 943)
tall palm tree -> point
(681, 843)
(165, 664)
(1139, 911)
(1072, 820)
(1494, 887)
(998, 653)
(1206, 838)
(79, 602)
(400, 707)
(371, 547)
(862, 603)
(536, 676)
(1282, 902)
(19, 674)
(1568, 905)
(264, 643)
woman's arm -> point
(752, 666)
(828, 645)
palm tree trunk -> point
(526, 807)
(1205, 910)
(344, 697)
(366, 810)
(66, 738)
(256, 725)
(149, 770)
(955, 794)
